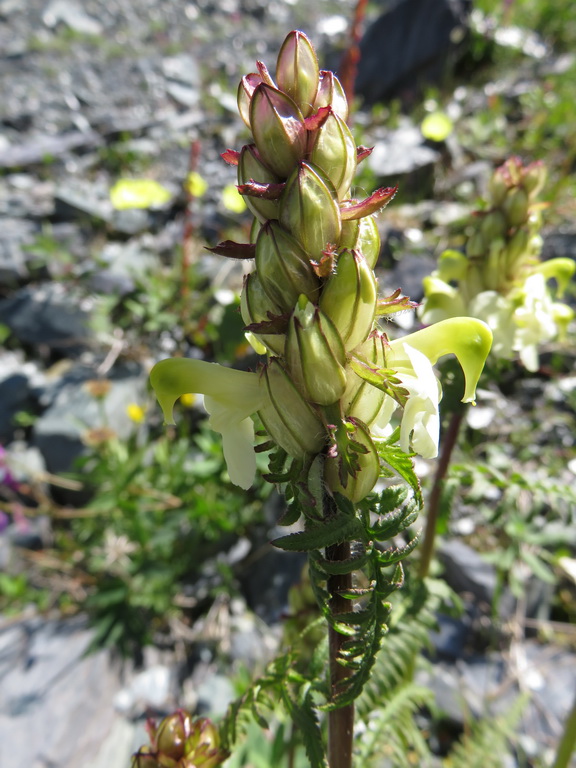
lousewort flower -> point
(500, 278)
(329, 380)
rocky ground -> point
(94, 91)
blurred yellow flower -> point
(232, 199)
(188, 399)
(138, 193)
(135, 413)
(196, 185)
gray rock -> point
(73, 16)
(55, 702)
(401, 152)
(408, 44)
(15, 233)
(214, 693)
(153, 688)
(35, 150)
(15, 395)
(489, 685)
(48, 314)
(466, 571)
(59, 432)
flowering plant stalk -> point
(330, 379)
(501, 280)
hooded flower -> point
(230, 397)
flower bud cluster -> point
(311, 299)
(178, 741)
(500, 278)
(330, 380)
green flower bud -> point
(278, 129)
(202, 746)
(361, 400)
(534, 178)
(283, 267)
(357, 486)
(246, 90)
(289, 420)
(309, 209)
(297, 71)
(476, 247)
(331, 94)
(349, 298)
(515, 249)
(251, 167)
(515, 206)
(255, 304)
(498, 186)
(493, 226)
(171, 735)
(362, 235)
(315, 354)
(334, 152)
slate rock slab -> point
(48, 314)
(55, 703)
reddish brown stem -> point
(448, 443)
(188, 233)
(340, 721)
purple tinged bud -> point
(297, 71)
(246, 89)
(334, 152)
(331, 94)
(315, 355)
(172, 733)
(251, 168)
(289, 420)
(283, 267)
(349, 298)
(278, 129)
(309, 209)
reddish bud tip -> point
(231, 156)
(372, 204)
(233, 250)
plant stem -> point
(568, 740)
(448, 443)
(340, 721)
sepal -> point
(309, 209)
(315, 354)
(283, 267)
(278, 129)
(290, 421)
(349, 298)
(297, 70)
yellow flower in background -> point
(196, 185)
(188, 399)
(136, 413)
(138, 193)
(232, 199)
